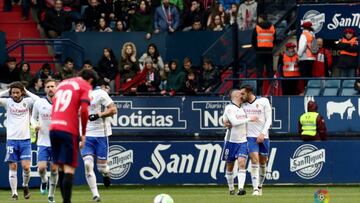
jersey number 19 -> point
(63, 99)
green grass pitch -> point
(198, 194)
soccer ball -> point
(163, 198)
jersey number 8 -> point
(63, 99)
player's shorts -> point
(96, 146)
(44, 153)
(232, 151)
(65, 148)
(262, 148)
(18, 150)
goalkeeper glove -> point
(93, 117)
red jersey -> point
(66, 103)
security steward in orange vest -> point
(349, 52)
(263, 40)
(311, 124)
(306, 57)
(289, 68)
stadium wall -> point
(2, 48)
(172, 163)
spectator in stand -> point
(349, 49)
(192, 84)
(119, 26)
(263, 41)
(306, 56)
(142, 19)
(45, 72)
(36, 86)
(233, 14)
(196, 26)
(323, 62)
(67, 71)
(108, 8)
(152, 53)
(166, 18)
(87, 65)
(9, 72)
(227, 3)
(205, 4)
(289, 68)
(107, 67)
(25, 75)
(195, 13)
(216, 24)
(129, 65)
(218, 10)
(189, 68)
(247, 15)
(56, 21)
(80, 26)
(210, 76)
(175, 79)
(152, 81)
(312, 125)
(123, 7)
(163, 76)
(102, 26)
(92, 14)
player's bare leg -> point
(229, 175)
(13, 180)
(241, 175)
(42, 165)
(254, 157)
(25, 164)
(262, 172)
(54, 175)
(104, 169)
(67, 182)
(91, 177)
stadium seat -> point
(348, 83)
(332, 83)
(310, 91)
(349, 91)
(330, 91)
(314, 83)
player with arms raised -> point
(18, 144)
(71, 95)
(40, 120)
(258, 135)
(96, 145)
(235, 146)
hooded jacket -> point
(320, 125)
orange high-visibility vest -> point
(309, 39)
(265, 37)
(291, 68)
(352, 41)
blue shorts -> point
(44, 153)
(96, 146)
(232, 151)
(18, 150)
(65, 148)
(261, 148)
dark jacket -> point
(141, 22)
(176, 80)
(210, 78)
(58, 21)
(347, 61)
(151, 83)
(8, 76)
(107, 68)
(26, 77)
(320, 125)
(92, 15)
(264, 25)
(189, 18)
(130, 72)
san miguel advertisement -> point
(330, 20)
(185, 162)
(203, 115)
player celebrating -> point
(18, 144)
(96, 145)
(258, 135)
(71, 94)
(40, 120)
(235, 146)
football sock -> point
(26, 178)
(67, 187)
(255, 175)
(13, 181)
(262, 175)
(90, 175)
(52, 183)
(230, 179)
(103, 169)
(241, 178)
(61, 180)
(43, 176)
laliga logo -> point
(120, 161)
(307, 161)
(316, 18)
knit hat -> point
(349, 30)
(290, 45)
(307, 24)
